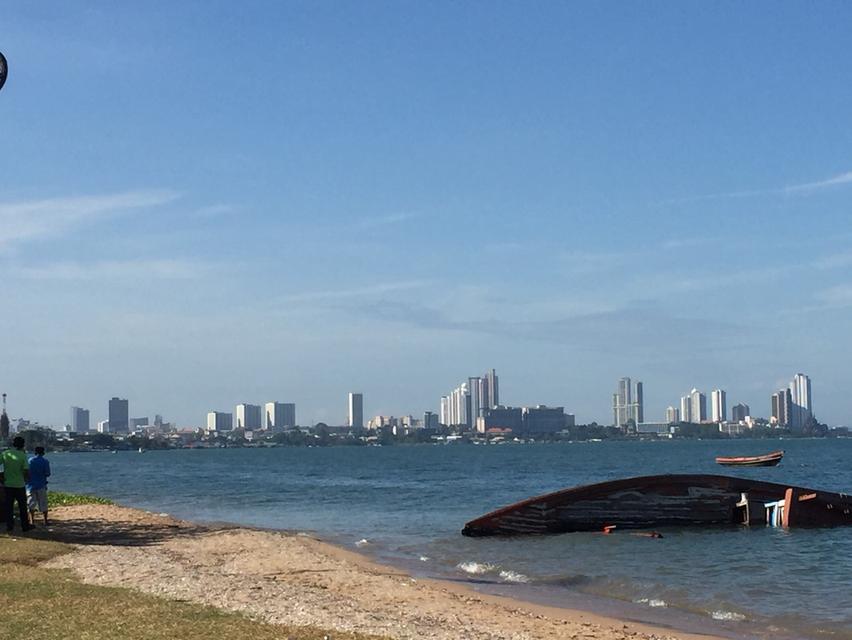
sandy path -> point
(295, 579)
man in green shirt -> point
(15, 475)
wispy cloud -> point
(31, 219)
(804, 188)
(354, 292)
(388, 220)
(834, 261)
(835, 297)
(163, 269)
(843, 178)
(214, 211)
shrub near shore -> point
(60, 499)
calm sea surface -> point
(407, 504)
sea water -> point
(407, 504)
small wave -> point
(652, 602)
(424, 558)
(475, 568)
(513, 576)
(727, 615)
(362, 542)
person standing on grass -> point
(16, 473)
(37, 485)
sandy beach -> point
(295, 579)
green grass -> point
(46, 604)
(60, 499)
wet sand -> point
(293, 578)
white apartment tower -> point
(685, 409)
(802, 402)
(279, 415)
(698, 406)
(627, 403)
(672, 415)
(219, 421)
(718, 408)
(247, 416)
(356, 411)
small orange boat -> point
(766, 460)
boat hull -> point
(767, 460)
(664, 501)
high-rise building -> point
(478, 398)
(248, 417)
(119, 414)
(718, 408)
(492, 390)
(356, 410)
(468, 402)
(219, 421)
(672, 415)
(697, 406)
(279, 415)
(800, 391)
(79, 420)
(739, 412)
(782, 408)
(103, 426)
(685, 409)
(430, 420)
(627, 403)
(444, 413)
(542, 419)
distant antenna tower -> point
(4, 422)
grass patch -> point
(61, 499)
(45, 604)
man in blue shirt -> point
(37, 486)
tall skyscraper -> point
(478, 398)
(279, 415)
(248, 417)
(356, 410)
(697, 406)
(492, 389)
(470, 400)
(219, 421)
(672, 415)
(79, 420)
(718, 408)
(119, 410)
(800, 391)
(685, 409)
(739, 412)
(627, 403)
(639, 400)
(782, 408)
(444, 414)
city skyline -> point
(532, 199)
(791, 407)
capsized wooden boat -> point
(766, 460)
(667, 501)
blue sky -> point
(207, 203)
